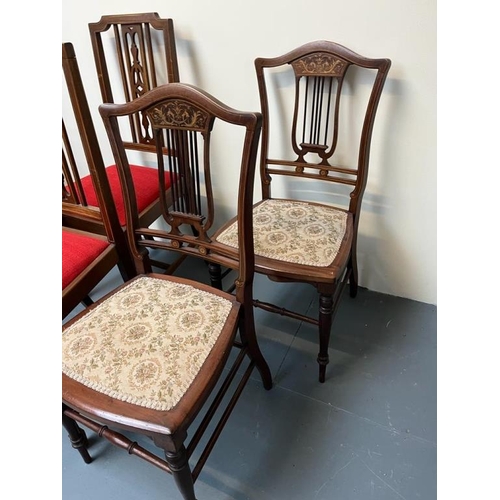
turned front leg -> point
(178, 463)
(215, 272)
(325, 325)
(77, 437)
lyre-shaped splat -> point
(185, 129)
(318, 84)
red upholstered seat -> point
(146, 188)
(78, 252)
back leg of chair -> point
(247, 330)
(77, 437)
(123, 271)
(248, 336)
(353, 277)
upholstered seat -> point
(78, 252)
(146, 182)
(150, 332)
(294, 231)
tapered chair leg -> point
(178, 463)
(254, 350)
(262, 366)
(77, 437)
(325, 324)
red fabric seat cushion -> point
(78, 251)
(145, 182)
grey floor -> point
(368, 432)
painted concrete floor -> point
(368, 432)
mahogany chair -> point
(141, 28)
(327, 151)
(159, 343)
(87, 255)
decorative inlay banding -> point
(319, 64)
(179, 114)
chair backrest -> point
(81, 157)
(182, 118)
(321, 76)
(134, 53)
(76, 210)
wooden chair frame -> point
(137, 39)
(166, 107)
(319, 70)
(78, 217)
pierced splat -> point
(318, 86)
(134, 39)
(137, 69)
(183, 128)
(145, 54)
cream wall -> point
(217, 43)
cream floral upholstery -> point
(294, 231)
(166, 331)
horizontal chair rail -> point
(272, 308)
(325, 177)
(119, 440)
(133, 448)
(320, 166)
